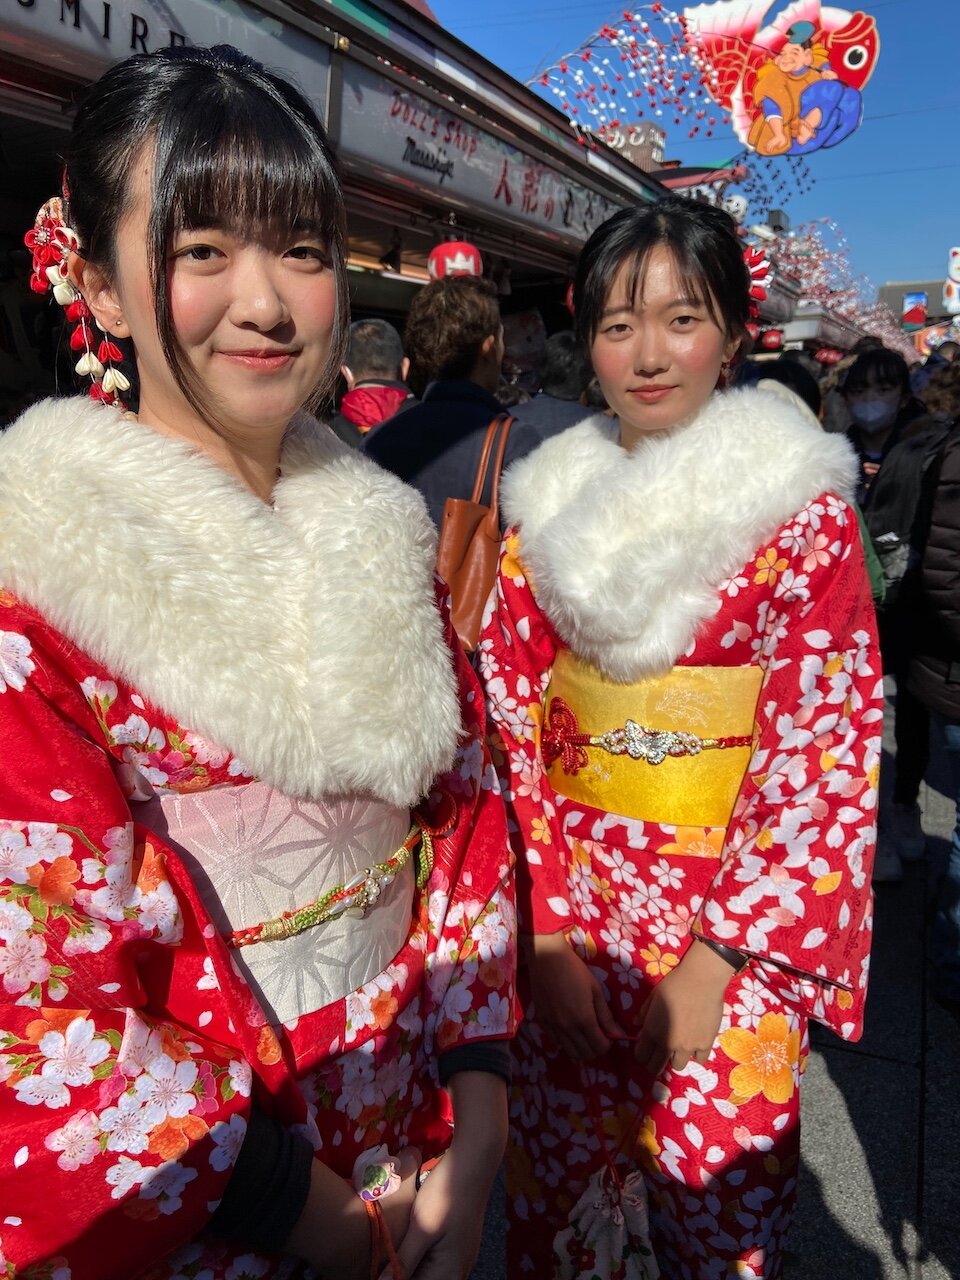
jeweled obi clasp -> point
(695, 725)
(563, 741)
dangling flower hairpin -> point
(761, 270)
(51, 242)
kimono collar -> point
(303, 638)
(626, 550)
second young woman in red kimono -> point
(682, 673)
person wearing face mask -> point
(882, 408)
(899, 445)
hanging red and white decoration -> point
(694, 72)
(454, 258)
(816, 254)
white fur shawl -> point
(626, 550)
(305, 638)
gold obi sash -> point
(673, 749)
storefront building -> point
(432, 141)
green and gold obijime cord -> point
(355, 898)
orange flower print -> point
(56, 882)
(658, 962)
(383, 1007)
(510, 563)
(49, 1020)
(172, 1137)
(769, 567)
(540, 830)
(492, 973)
(766, 1059)
(648, 1146)
(696, 842)
(173, 1044)
(448, 1033)
(152, 871)
(268, 1046)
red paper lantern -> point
(454, 258)
(828, 355)
(772, 339)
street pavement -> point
(880, 1146)
(880, 1186)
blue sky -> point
(893, 187)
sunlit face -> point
(254, 321)
(657, 356)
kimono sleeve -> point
(794, 886)
(471, 906)
(118, 1130)
(515, 657)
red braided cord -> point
(561, 739)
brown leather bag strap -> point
(497, 468)
(488, 439)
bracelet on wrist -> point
(735, 959)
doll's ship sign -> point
(790, 87)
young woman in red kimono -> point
(233, 958)
(682, 675)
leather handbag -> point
(470, 538)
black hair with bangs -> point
(878, 367)
(703, 242)
(234, 147)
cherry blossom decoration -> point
(816, 254)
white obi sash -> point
(254, 853)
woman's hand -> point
(681, 1016)
(446, 1223)
(569, 1000)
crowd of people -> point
(297, 897)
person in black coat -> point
(894, 435)
(935, 680)
(454, 340)
(883, 410)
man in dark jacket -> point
(454, 340)
(374, 370)
(935, 680)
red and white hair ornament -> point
(51, 242)
(761, 272)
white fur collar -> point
(626, 550)
(305, 639)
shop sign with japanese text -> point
(440, 151)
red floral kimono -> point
(166, 624)
(707, 589)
